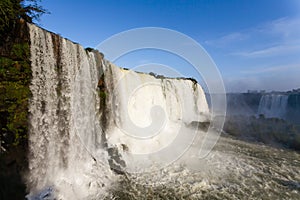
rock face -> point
(293, 108)
(86, 115)
(15, 76)
(243, 103)
(271, 118)
(284, 105)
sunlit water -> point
(234, 170)
(70, 143)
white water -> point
(146, 123)
(64, 115)
(149, 115)
(273, 106)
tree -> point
(12, 10)
(30, 11)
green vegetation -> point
(102, 95)
(13, 10)
(15, 76)
(272, 131)
(15, 70)
(15, 73)
(89, 49)
(192, 79)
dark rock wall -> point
(247, 104)
(243, 103)
(15, 76)
(293, 108)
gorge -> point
(90, 119)
(97, 131)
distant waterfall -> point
(273, 105)
(86, 115)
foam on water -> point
(149, 115)
(64, 111)
(82, 132)
(85, 139)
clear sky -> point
(255, 43)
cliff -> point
(281, 105)
(67, 112)
(88, 113)
(15, 76)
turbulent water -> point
(151, 117)
(233, 170)
(91, 120)
(95, 127)
(64, 112)
(273, 105)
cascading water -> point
(89, 119)
(273, 106)
(148, 114)
(64, 111)
(92, 123)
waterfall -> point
(90, 119)
(149, 114)
(273, 106)
(64, 111)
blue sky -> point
(254, 43)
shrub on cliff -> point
(15, 71)
(15, 76)
(12, 10)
